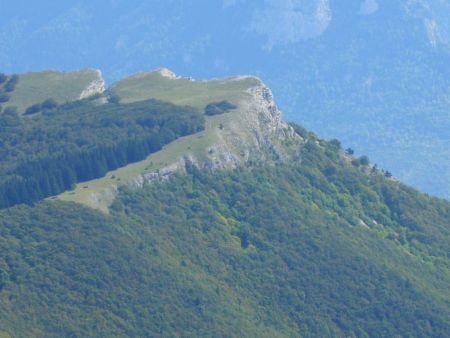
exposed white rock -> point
(258, 132)
(159, 175)
(104, 198)
(253, 132)
(97, 86)
(166, 73)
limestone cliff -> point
(97, 86)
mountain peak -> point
(249, 129)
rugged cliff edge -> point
(97, 86)
(252, 132)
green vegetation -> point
(218, 108)
(4, 98)
(34, 88)
(48, 104)
(11, 84)
(349, 151)
(326, 246)
(35, 108)
(181, 91)
(48, 153)
(304, 133)
(113, 98)
(361, 161)
(313, 249)
(7, 85)
(99, 193)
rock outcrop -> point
(97, 86)
(166, 73)
(253, 132)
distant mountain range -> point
(373, 73)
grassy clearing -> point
(99, 193)
(36, 87)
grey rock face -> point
(95, 87)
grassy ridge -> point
(100, 192)
(37, 87)
(181, 91)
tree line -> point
(7, 86)
(110, 137)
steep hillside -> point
(35, 88)
(316, 249)
(215, 218)
(381, 81)
(47, 152)
(253, 131)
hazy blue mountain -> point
(373, 73)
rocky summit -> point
(252, 131)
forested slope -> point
(48, 151)
(317, 248)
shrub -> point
(114, 98)
(9, 118)
(35, 108)
(364, 160)
(3, 78)
(49, 104)
(304, 133)
(218, 108)
(11, 84)
(361, 161)
(4, 98)
(10, 111)
(355, 162)
(335, 143)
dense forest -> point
(53, 147)
(318, 248)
